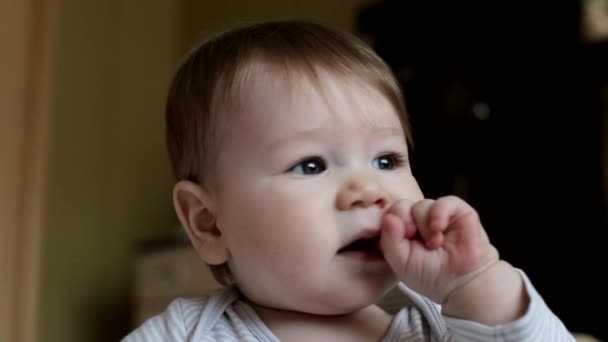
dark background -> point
(507, 111)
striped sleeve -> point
(168, 326)
(538, 324)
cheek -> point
(407, 187)
(414, 189)
(271, 220)
(270, 232)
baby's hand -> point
(435, 247)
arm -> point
(440, 250)
(536, 324)
(495, 296)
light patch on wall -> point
(595, 20)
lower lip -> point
(364, 255)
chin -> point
(347, 308)
(353, 299)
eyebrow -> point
(312, 133)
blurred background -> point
(508, 102)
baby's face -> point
(304, 171)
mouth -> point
(365, 247)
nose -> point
(361, 192)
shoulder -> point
(174, 324)
(185, 319)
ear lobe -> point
(193, 206)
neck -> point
(367, 324)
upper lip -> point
(367, 233)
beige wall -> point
(109, 181)
(204, 17)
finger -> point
(444, 211)
(403, 210)
(395, 247)
(421, 214)
(441, 213)
(451, 209)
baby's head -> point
(289, 141)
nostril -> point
(362, 195)
(381, 202)
(358, 203)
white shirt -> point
(224, 316)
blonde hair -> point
(213, 73)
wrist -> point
(497, 295)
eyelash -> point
(309, 160)
(398, 160)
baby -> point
(290, 141)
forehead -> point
(268, 96)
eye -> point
(389, 161)
(310, 166)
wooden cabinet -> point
(167, 273)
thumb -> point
(395, 245)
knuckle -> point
(452, 198)
(424, 204)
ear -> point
(194, 208)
